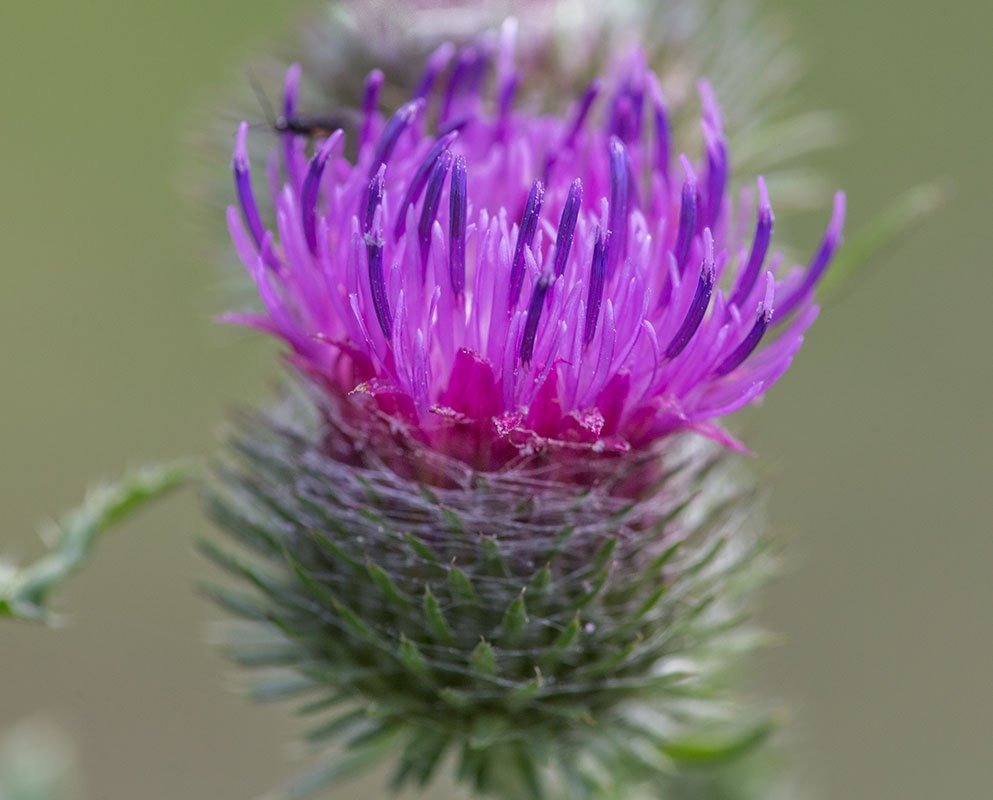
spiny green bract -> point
(550, 636)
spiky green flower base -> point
(559, 630)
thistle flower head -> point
(495, 280)
(478, 527)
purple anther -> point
(716, 171)
(717, 154)
(687, 217)
(598, 276)
(580, 113)
(694, 314)
(374, 197)
(435, 63)
(508, 79)
(660, 111)
(627, 110)
(374, 248)
(583, 106)
(455, 124)
(534, 315)
(243, 185)
(567, 226)
(466, 78)
(763, 316)
(420, 178)
(708, 100)
(760, 246)
(505, 101)
(370, 100)
(291, 91)
(429, 210)
(457, 214)
(617, 225)
(398, 123)
(687, 227)
(525, 235)
(832, 238)
(312, 188)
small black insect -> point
(312, 127)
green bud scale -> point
(547, 630)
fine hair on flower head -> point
(496, 281)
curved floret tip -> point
(820, 262)
(760, 246)
(646, 306)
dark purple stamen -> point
(413, 192)
(398, 123)
(429, 210)
(749, 343)
(435, 64)
(374, 248)
(694, 314)
(290, 91)
(617, 223)
(582, 112)
(370, 99)
(832, 238)
(716, 172)
(662, 132)
(457, 223)
(760, 246)
(311, 190)
(567, 226)
(467, 75)
(243, 185)
(455, 124)
(687, 223)
(583, 106)
(525, 235)
(598, 275)
(534, 315)
(626, 112)
(506, 102)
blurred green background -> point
(879, 438)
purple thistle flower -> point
(646, 313)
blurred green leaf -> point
(25, 591)
(36, 763)
(721, 744)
